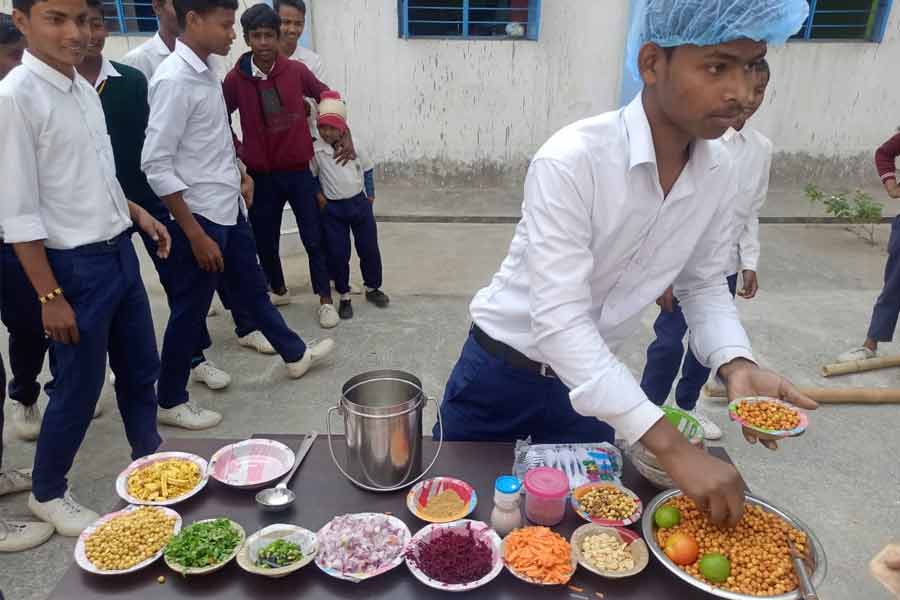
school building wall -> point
(464, 108)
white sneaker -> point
(188, 416)
(315, 353)
(711, 431)
(16, 480)
(861, 353)
(281, 300)
(257, 341)
(210, 375)
(328, 316)
(26, 420)
(65, 514)
(16, 536)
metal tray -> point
(817, 551)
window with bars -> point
(130, 16)
(860, 20)
(484, 19)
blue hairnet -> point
(669, 23)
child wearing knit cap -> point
(346, 195)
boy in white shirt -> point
(346, 196)
(751, 152)
(70, 224)
(293, 21)
(190, 162)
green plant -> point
(860, 211)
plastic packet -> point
(582, 463)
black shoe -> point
(345, 309)
(378, 298)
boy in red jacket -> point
(268, 90)
(887, 307)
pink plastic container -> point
(546, 490)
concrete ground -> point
(818, 285)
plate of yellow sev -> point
(162, 479)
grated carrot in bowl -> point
(539, 554)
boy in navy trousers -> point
(190, 162)
(69, 223)
(346, 196)
(751, 152)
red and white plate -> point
(85, 563)
(251, 463)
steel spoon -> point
(280, 497)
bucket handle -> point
(396, 487)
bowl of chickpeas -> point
(607, 504)
(769, 418)
(127, 540)
(755, 554)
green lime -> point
(715, 567)
(667, 516)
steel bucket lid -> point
(382, 393)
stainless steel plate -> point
(817, 552)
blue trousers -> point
(887, 307)
(487, 400)
(271, 192)
(21, 314)
(341, 217)
(190, 293)
(664, 357)
(102, 283)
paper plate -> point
(358, 577)
(418, 497)
(81, 555)
(306, 539)
(481, 531)
(531, 580)
(636, 546)
(769, 433)
(578, 492)
(122, 479)
(212, 568)
(251, 464)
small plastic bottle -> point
(506, 515)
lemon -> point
(666, 517)
(715, 567)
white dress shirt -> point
(339, 182)
(597, 244)
(312, 61)
(58, 165)
(751, 153)
(147, 57)
(189, 147)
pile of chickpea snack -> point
(129, 539)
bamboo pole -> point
(833, 395)
(858, 366)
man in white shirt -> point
(617, 208)
(70, 224)
(751, 153)
(190, 162)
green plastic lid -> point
(684, 422)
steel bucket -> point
(382, 413)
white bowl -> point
(482, 531)
(305, 538)
(80, 551)
(358, 577)
(122, 479)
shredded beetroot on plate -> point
(453, 556)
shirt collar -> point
(733, 134)
(256, 71)
(107, 70)
(48, 73)
(190, 57)
(159, 46)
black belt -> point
(513, 357)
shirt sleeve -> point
(312, 87)
(559, 264)
(166, 125)
(886, 157)
(717, 336)
(20, 217)
(748, 243)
